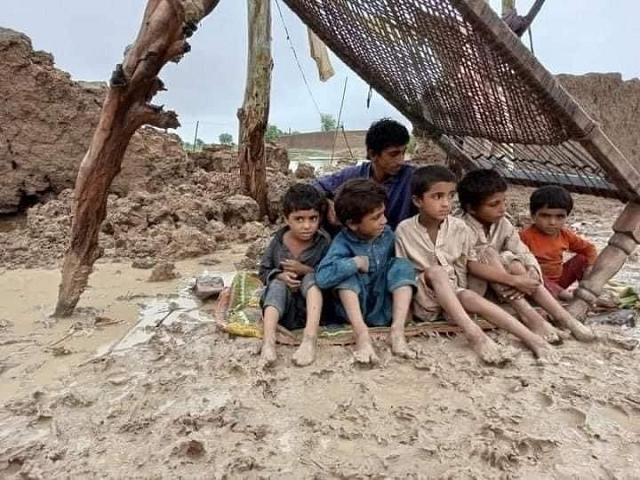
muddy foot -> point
(549, 333)
(306, 353)
(365, 353)
(399, 345)
(489, 352)
(581, 332)
(268, 354)
(545, 353)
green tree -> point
(273, 133)
(226, 139)
(327, 122)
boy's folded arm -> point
(582, 246)
(334, 269)
(268, 269)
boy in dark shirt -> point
(292, 297)
(386, 143)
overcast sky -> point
(87, 39)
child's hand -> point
(290, 280)
(331, 214)
(296, 267)
(525, 284)
(362, 262)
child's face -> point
(390, 160)
(303, 224)
(491, 210)
(371, 225)
(550, 220)
(436, 203)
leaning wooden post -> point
(622, 244)
(254, 114)
(162, 38)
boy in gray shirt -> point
(292, 297)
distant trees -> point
(273, 133)
(190, 147)
(226, 139)
(327, 122)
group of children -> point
(434, 264)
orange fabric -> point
(550, 250)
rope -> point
(295, 54)
(335, 136)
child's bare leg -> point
(529, 316)
(306, 353)
(474, 303)
(270, 319)
(364, 348)
(400, 311)
(484, 347)
(534, 321)
(562, 317)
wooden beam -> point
(162, 38)
(254, 114)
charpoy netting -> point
(456, 71)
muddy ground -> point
(109, 394)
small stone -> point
(208, 286)
(143, 264)
(163, 272)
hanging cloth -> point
(320, 54)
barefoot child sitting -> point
(440, 246)
(292, 297)
(374, 288)
(548, 239)
(482, 195)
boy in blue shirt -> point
(375, 289)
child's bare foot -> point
(365, 353)
(545, 353)
(548, 332)
(538, 325)
(268, 355)
(489, 351)
(399, 345)
(306, 353)
(580, 331)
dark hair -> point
(478, 185)
(386, 133)
(357, 198)
(303, 196)
(425, 177)
(550, 196)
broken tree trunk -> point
(162, 38)
(254, 114)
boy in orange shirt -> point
(548, 239)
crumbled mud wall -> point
(613, 102)
(46, 124)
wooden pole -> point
(162, 38)
(254, 114)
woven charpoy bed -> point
(457, 71)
